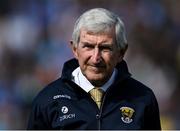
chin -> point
(97, 80)
(95, 77)
(97, 83)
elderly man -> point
(96, 91)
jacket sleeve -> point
(152, 117)
(38, 118)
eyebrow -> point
(101, 44)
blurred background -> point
(34, 37)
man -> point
(99, 44)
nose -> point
(96, 57)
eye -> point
(106, 48)
(88, 46)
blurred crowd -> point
(34, 37)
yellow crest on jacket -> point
(127, 114)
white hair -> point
(100, 20)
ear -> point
(74, 49)
(122, 53)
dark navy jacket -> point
(127, 104)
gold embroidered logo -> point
(127, 114)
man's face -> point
(97, 55)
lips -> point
(97, 68)
(97, 65)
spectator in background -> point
(96, 90)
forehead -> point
(90, 35)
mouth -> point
(97, 68)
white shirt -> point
(82, 81)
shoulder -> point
(45, 96)
(138, 89)
(138, 85)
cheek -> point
(83, 58)
(112, 60)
